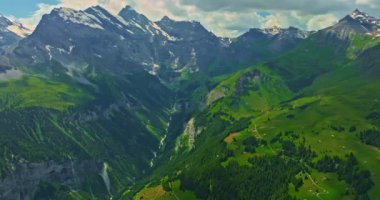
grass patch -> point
(158, 193)
(317, 186)
(35, 91)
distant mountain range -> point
(167, 47)
(163, 47)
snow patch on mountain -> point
(165, 34)
(369, 23)
(48, 49)
(284, 33)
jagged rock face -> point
(129, 14)
(95, 35)
(166, 48)
(23, 181)
(356, 23)
(186, 30)
(4, 22)
(249, 82)
(192, 47)
(85, 36)
(370, 23)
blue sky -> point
(21, 8)
(223, 17)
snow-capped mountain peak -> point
(358, 14)
(272, 31)
(7, 25)
(129, 14)
(357, 22)
(278, 32)
(363, 17)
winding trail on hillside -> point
(324, 191)
(258, 133)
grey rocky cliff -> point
(25, 178)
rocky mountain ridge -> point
(166, 48)
(357, 22)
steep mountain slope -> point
(195, 47)
(259, 45)
(128, 37)
(77, 31)
(77, 104)
(59, 122)
(303, 126)
(355, 23)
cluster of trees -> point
(283, 135)
(251, 143)
(371, 137)
(291, 150)
(374, 116)
(267, 178)
(348, 170)
(297, 182)
(300, 153)
(337, 128)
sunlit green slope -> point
(305, 126)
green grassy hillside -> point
(33, 91)
(53, 117)
(305, 126)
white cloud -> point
(321, 21)
(363, 2)
(273, 20)
(33, 20)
